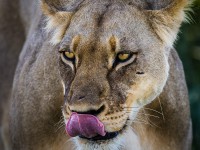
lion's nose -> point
(87, 99)
(86, 102)
(86, 95)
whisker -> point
(153, 124)
(60, 124)
(60, 121)
(66, 142)
(60, 127)
(153, 110)
(146, 108)
(161, 108)
(149, 120)
(130, 107)
(144, 114)
(140, 122)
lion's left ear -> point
(164, 16)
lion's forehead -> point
(100, 23)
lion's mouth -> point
(89, 127)
(108, 136)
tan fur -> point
(144, 98)
(166, 22)
(57, 22)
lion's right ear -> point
(51, 7)
(58, 13)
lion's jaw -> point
(127, 140)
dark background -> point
(188, 47)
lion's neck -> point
(132, 141)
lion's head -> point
(113, 58)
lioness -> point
(104, 71)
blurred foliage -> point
(188, 47)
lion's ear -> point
(165, 17)
(51, 7)
(58, 13)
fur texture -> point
(164, 22)
(144, 98)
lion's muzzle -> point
(85, 125)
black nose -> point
(94, 112)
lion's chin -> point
(112, 141)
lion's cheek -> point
(115, 124)
(143, 93)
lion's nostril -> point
(81, 98)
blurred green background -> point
(188, 47)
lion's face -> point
(111, 68)
(113, 61)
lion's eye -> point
(69, 56)
(122, 57)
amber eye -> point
(69, 55)
(122, 57)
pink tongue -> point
(84, 125)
